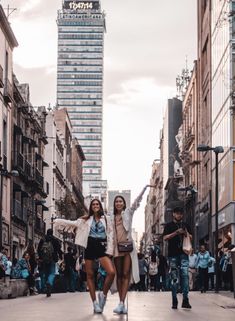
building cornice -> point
(5, 26)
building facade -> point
(7, 44)
(204, 185)
(222, 114)
(64, 156)
(30, 188)
(81, 28)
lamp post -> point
(217, 150)
(4, 172)
(193, 191)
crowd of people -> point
(109, 260)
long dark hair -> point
(101, 211)
(124, 201)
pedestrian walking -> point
(125, 254)
(143, 270)
(153, 271)
(3, 262)
(94, 232)
(162, 271)
(227, 269)
(203, 259)
(192, 270)
(174, 233)
(211, 273)
(69, 272)
(49, 251)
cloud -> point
(29, 5)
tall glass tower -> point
(81, 28)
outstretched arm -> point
(137, 201)
(65, 225)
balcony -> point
(4, 162)
(28, 169)
(40, 225)
(17, 209)
(25, 214)
(1, 77)
(20, 161)
(46, 187)
(8, 92)
(38, 177)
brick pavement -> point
(145, 306)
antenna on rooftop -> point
(9, 11)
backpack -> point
(47, 252)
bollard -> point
(233, 267)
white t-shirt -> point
(9, 266)
(192, 261)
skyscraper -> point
(81, 28)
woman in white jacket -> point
(95, 233)
(126, 263)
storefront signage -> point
(81, 5)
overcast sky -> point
(145, 49)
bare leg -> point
(126, 276)
(108, 266)
(118, 261)
(90, 278)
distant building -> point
(7, 44)
(81, 28)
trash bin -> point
(233, 267)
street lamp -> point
(4, 172)
(192, 197)
(217, 150)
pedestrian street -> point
(143, 306)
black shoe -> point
(174, 304)
(48, 291)
(186, 304)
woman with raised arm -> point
(125, 254)
(94, 232)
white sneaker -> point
(119, 308)
(97, 308)
(124, 310)
(102, 300)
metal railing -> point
(8, 92)
(28, 169)
(20, 161)
(38, 177)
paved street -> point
(142, 307)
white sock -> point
(121, 303)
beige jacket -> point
(127, 218)
(81, 229)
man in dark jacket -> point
(49, 251)
(69, 272)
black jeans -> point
(211, 282)
(141, 284)
(203, 278)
